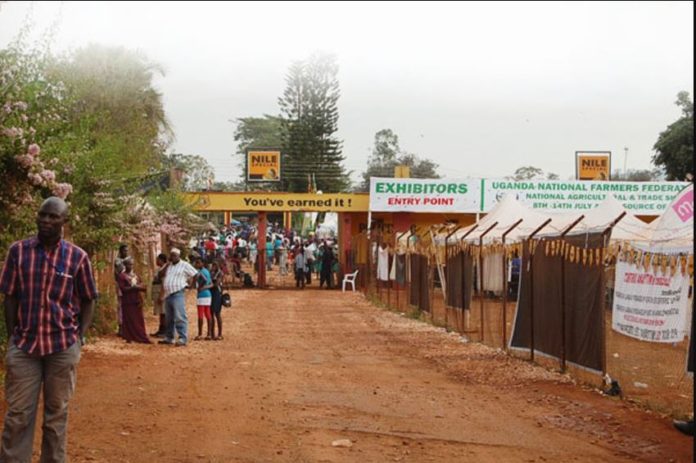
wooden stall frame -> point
(563, 296)
(481, 293)
(398, 238)
(457, 228)
(603, 285)
(531, 285)
(467, 329)
(505, 286)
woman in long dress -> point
(133, 327)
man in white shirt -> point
(178, 277)
(309, 251)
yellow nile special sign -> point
(263, 166)
(593, 165)
(278, 202)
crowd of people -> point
(172, 277)
(212, 258)
(285, 250)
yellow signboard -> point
(277, 202)
(263, 166)
(593, 165)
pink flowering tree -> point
(29, 111)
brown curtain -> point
(455, 280)
(460, 281)
(419, 294)
(583, 313)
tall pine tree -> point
(310, 120)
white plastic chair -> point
(350, 278)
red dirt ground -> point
(299, 370)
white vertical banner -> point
(650, 306)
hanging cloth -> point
(382, 264)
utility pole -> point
(625, 159)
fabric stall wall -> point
(460, 280)
(419, 294)
(455, 280)
(360, 245)
(467, 279)
(400, 271)
(493, 273)
(583, 293)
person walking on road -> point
(49, 292)
(179, 277)
(300, 267)
(327, 262)
(132, 303)
(216, 301)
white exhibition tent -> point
(503, 216)
(509, 210)
(673, 231)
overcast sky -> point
(481, 89)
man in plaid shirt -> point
(49, 303)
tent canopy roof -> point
(509, 211)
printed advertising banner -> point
(278, 202)
(263, 166)
(640, 198)
(593, 165)
(424, 195)
(650, 306)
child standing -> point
(216, 302)
(203, 282)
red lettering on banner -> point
(396, 201)
(439, 201)
(646, 279)
(643, 321)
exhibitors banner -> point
(424, 195)
(650, 306)
(640, 198)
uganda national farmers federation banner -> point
(424, 195)
(640, 198)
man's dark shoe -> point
(157, 334)
(685, 427)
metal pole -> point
(603, 284)
(505, 286)
(467, 313)
(531, 286)
(563, 298)
(446, 260)
(377, 280)
(625, 159)
(398, 289)
(481, 294)
(409, 264)
(430, 279)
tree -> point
(309, 122)
(257, 132)
(531, 173)
(387, 154)
(115, 134)
(638, 175)
(674, 149)
(31, 114)
(198, 174)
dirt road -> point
(299, 370)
